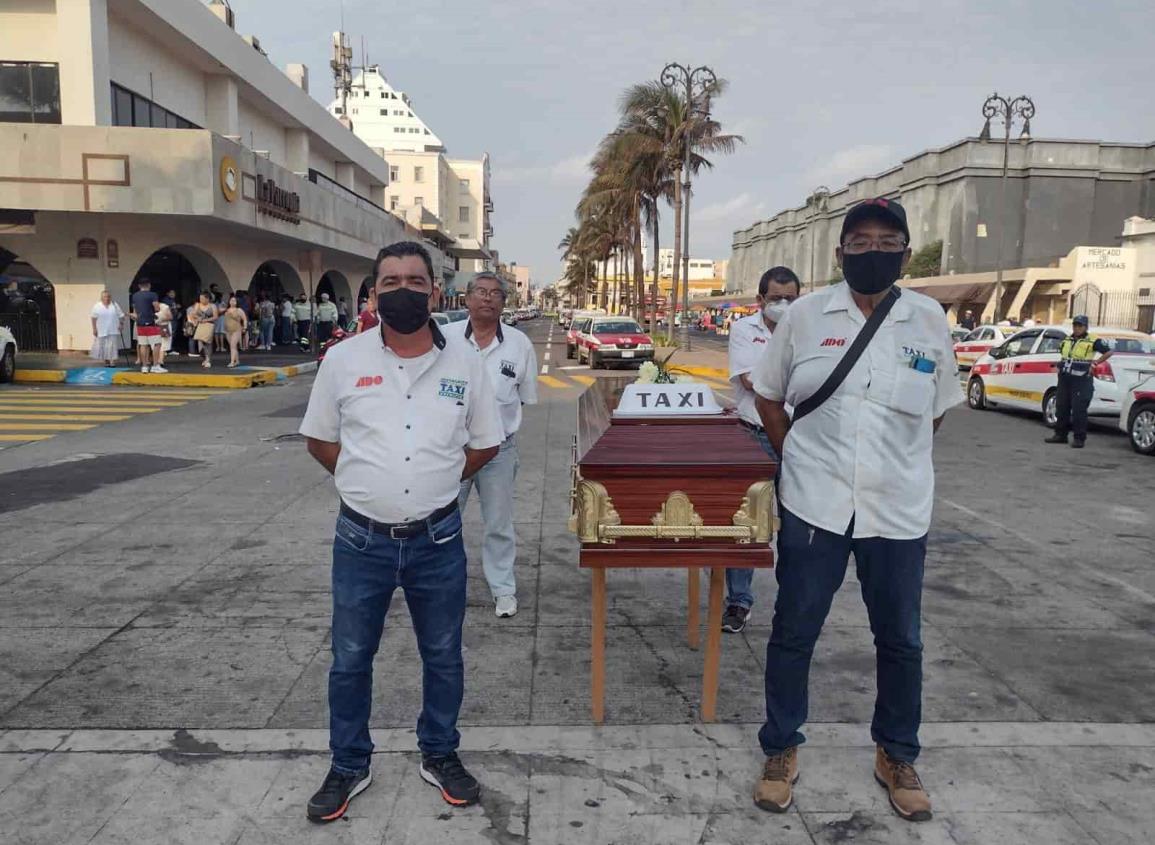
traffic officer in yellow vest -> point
(1075, 382)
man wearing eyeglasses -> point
(749, 337)
(857, 478)
(511, 364)
(399, 417)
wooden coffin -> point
(668, 491)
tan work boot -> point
(907, 796)
(775, 789)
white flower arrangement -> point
(648, 373)
(659, 372)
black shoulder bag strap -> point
(846, 364)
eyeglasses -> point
(489, 293)
(859, 245)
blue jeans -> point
(495, 485)
(810, 568)
(367, 568)
(286, 331)
(739, 581)
(267, 325)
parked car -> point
(508, 317)
(1023, 371)
(456, 315)
(979, 341)
(441, 318)
(339, 334)
(614, 340)
(1137, 417)
(7, 355)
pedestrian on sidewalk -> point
(267, 314)
(144, 304)
(869, 370)
(107, 324)
(342, 313)
(288, 333)
(399, 416)
(367, 319)
(327, 318)
(512, 368)
(1076, 383)
(303, 314)
(749, 339)
(236, 323)
(203, 317)
(220, 334)
(164, 320)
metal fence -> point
(33, 332)
(1117, 309)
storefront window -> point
(29, 92)
(129, 109)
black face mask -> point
(872, 272)
(403, 310)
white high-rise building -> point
(447, 199)
(383, 117)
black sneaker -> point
(735, 618)
(332, 799)
(1056, 438)
(458, 787)
(1077, 444)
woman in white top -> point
(107, 322)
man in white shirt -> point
(856, 478)
(399, 417)
(749, 336)
(512, 368)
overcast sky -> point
(822, 93)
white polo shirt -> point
(511, 364)
(749, 338)
(866, 451)
(403, 423)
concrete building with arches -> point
(149, 138)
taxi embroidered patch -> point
(452, 388)
(508, 369)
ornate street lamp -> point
(697, 84)
(1020, 108)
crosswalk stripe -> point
(12, 438)
(7, 426)
(101, 393)
(105, 403)
(6, 415)
(550, 381)
(108, 409)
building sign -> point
(230, 177)
(1103, 258)
(112, 252)
(87, 248)
(1109, 268)
(277, 202)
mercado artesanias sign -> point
(664, 478)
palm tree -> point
(661, 125)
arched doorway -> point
(364, 292)
(27, 304)
(184, 270)
(277, 279)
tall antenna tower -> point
(342, 66)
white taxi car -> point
(1023, 371)
(1138, 415)
(979, 342)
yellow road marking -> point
(106, 403)
(550, 381)
(9, 438)
(109, 409)
(104, 393)
(586, 380)
(1027, 395)
(6, 426)
(7, 415)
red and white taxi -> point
(1138, 415)
(1023, 371)
(614, 340)
(979, 342)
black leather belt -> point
(398, 530)
(752, 427)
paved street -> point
(164, 608)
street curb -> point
(98, 376)
(706, 372)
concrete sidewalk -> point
(256, 368)
(164, 644)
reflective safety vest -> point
(1077, 354)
